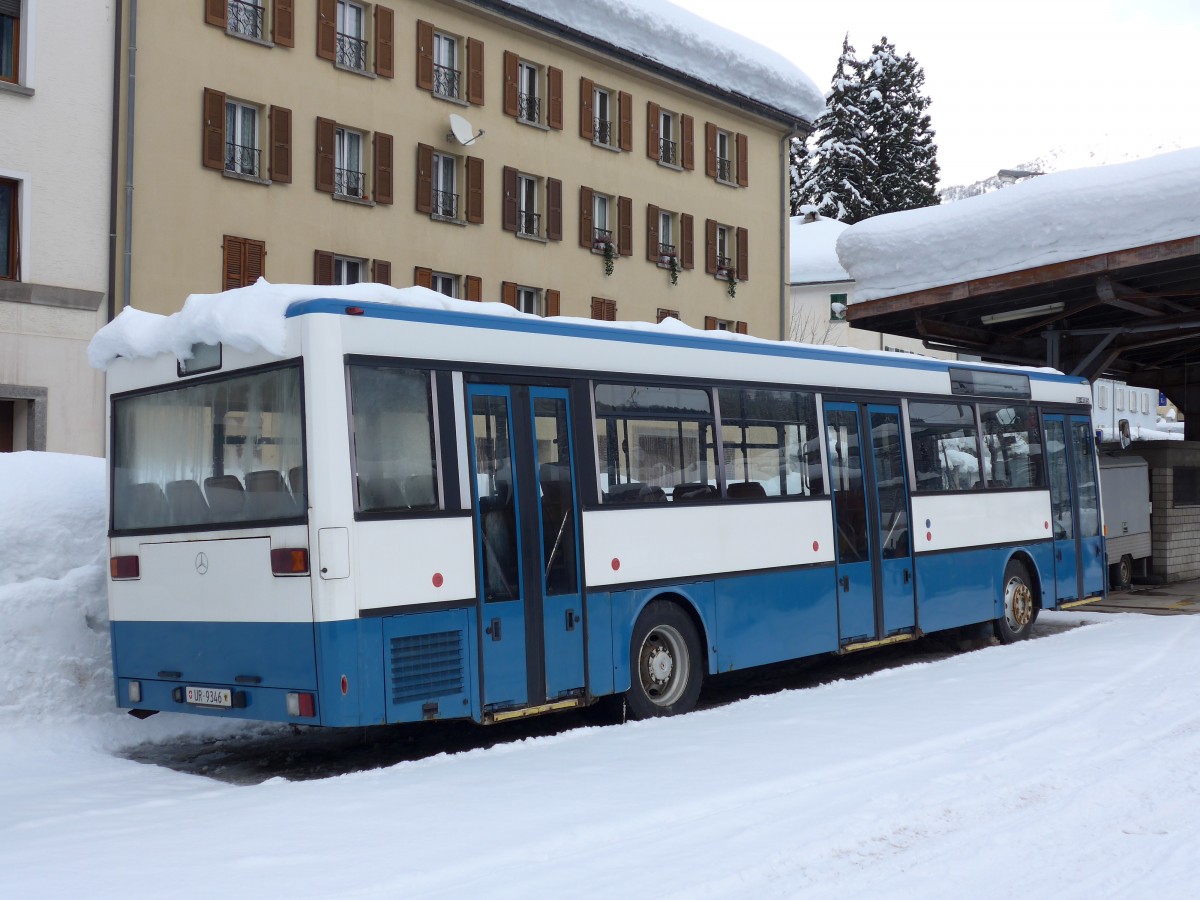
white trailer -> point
(1125, 500)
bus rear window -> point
(218, 452)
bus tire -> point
(1020, 607)
(665, 658)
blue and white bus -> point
(416, 513)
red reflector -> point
(290, 561)
(308, 706)
(354, 310)
(124, 567)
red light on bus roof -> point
(124, 567)
(289, 561)
(354, 310)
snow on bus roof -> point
(1048, 219)
(253, 318)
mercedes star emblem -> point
(201, 563)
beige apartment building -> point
(472, 146)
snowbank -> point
(813, 258)
(1040, 221)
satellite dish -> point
(462, 130)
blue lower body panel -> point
(964, 587)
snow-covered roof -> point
(673, 37)
(1037, 222)
(813, 253)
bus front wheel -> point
(666, 658)
(1020, 608)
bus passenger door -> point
(855, 584)
(1087, 502)
(1062, 510)
(498, 543)
(558, 540)
(897, 585)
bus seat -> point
(691, 491)
(267, 497)
(147, 506)
(225, 496)
(380, 493)
(186, 503)
(746, 490)
(624, 493)
(296, 481)
(420, 490)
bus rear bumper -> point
(224, 701)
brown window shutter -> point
(653, 111)
(325, 130)
(233, 253)
(710, 149)
(652, 232)
(553, 209)
(741, 328)
(587, 88)
(743, 254)
(508, 220)
(281, 145)
(743, 161)
(424, 178)
(473, 288)
(604, 310)
(508, 293)
(625, 226)
(710, 323)
(553, 303)
(327, 29)
(687, 125)
(383, 167)
(687, 249)
(422, 277)
(512, 88)
(625, 118)
(256, 259)
(475, 71)
(667, 314)
(554, 107)
(215, 11)
(474, 190)
(385, 42)
(283, 23)
(586, 229)
(381, 271)
(322, 267)
(212, 150)
(710, 246)
(424, 56)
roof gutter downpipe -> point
(785, 269)
(129, 154)
(114, 168)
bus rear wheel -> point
(1020, 608)
(666, 658)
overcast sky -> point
(1009, 81)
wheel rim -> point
(664, 665)
(1018, 604)
(1125, 569)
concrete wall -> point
(1175, 529)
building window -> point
(668, 142)
(724, 259)
(446, 76)
(604, 310)
(348, 270)
(602, 130)
(349, 179)
(444, 284)
(245, 17)
(837, 307)
(351, 36)
(528, 217)
(712, 323)
(529, 101)
(241, 138)
(601, 220)
(244, 261)
(723, 156)
(726, 156)
(529, 300)
(10, 227)
(445, 186)
(10, 41)
(666, 236)
(727, 251)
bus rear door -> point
(1075, 508)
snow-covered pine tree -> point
(901, 136)
(836, 174)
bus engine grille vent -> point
(427, 665)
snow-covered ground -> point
(1067, 766)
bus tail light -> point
(302, 706)
(289, 561)
(123, 568)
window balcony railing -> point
(242, 160)
(600, 237)
(446, 81)
(725, 267)
(529, 107)
(351, 52)
(445, 204)
(245, 18)
(668, 152)
(723, 169)
(349, 182)
(602, 131)
(666, 251)
(529, 223)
